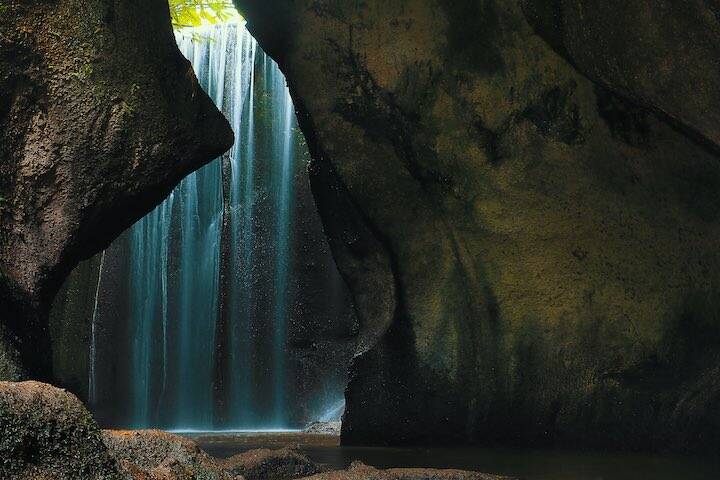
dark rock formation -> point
(100, 116)
(360, 471)
(265, 464)
(46, 433)
(528, 223)
(662, 55)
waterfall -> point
(176, 257)
(148, 304)
(334, 413)
(283, 108)
(242, 203)
(224, 303)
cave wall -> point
(100, 116)
(525, 210)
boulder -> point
(158, 455)
(265, 464)
(47, 434)
(324, 428)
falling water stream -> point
(177, 261)
(92, 380)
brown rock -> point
(663, 55)
(265, 464)
(158, 455)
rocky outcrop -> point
(324, 428)
(526, 215)
(360, 471)
(157, 455)
(100, 116)
(266, 464)
(46, 433)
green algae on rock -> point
(532, 243)
(47, 433)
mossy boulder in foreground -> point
(46, 433)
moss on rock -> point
(539, 248)
(47, 433)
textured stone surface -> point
(324, 428)
(533, 253)
(663, 55)
(100, 116)
(46, 433)
(158, 455)
(266, 464)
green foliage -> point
(194, 13)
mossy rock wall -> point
(533, 252)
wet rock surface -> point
(270, 464)
(324, 428)
(524, 211)
(158, 455)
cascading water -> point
(224, 302)
(149, 254)
(282, 189)
(176, 256)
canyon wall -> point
(523, 198)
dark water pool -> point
(530, 464)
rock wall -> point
(100, 116)
(523, 198)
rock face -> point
(46, 433)
(664, 56)
(100, 116)
(528, 222)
